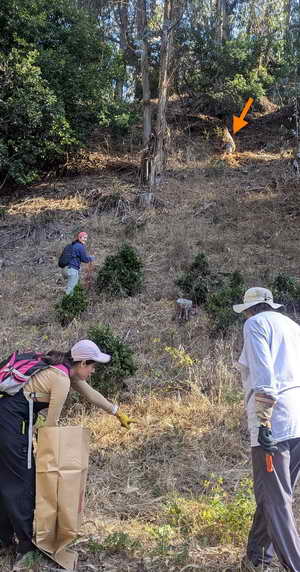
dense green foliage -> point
(219, 303)
(224, 78)
(67, 66)
(248, 50)
(286, 291)
(72, 305)
(122, 273)
(195, 282)
(109, 378)
(56, 75)
(216, 292)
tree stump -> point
(184, 309)
(146, 199)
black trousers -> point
(17, 482)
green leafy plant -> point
(72, 305)
(229, 73)
(122, 273)
(54, 90)
(163, 535)
(217, 515)
(195, 282)
(286, 291)
(215, 292)
(219, 303)
(115, 542)
(109, 378)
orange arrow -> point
(239, 122)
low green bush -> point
(219, 303)
(195, 282)
(114, 543)
(122, 273)
(286, 291)
(72, 305)
(109, 379)
(216, 293)
(216, 516)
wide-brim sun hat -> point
(255, 296)
(85, 350)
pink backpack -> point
(15, 372)
(17, 369)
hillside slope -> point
(164, 495)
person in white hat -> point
(48, 388)
(270, 370)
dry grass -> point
(243, 212)
(38, 205)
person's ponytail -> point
(54, 357)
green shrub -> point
(72, 305)
(57, 83)
(213, 291)
(122, 273)
(216, 516)
(286, 291)
(195, 282)
(163, 535)
(115, 542)
(35, 119)
(226, 75)
(109, 378)
(219, 303)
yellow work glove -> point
(124, 419)
(40, 422)
(264, 407)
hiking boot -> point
(25, 561)
(248, 566)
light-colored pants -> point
(274, 527)
(72, 275)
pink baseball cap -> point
(82, 235)
(88, 350)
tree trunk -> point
(221, 25)
(143, 41)
(122, 19)
(147, 153)
(288, 38)
(161, 124)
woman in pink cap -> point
(72, 257)
(49, 389)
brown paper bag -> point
(61, 471)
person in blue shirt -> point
(78, 255)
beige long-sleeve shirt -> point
(55, 385)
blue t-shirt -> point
(79, 255)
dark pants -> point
(17, 482)
(274, 527)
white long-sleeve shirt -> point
(270, 363)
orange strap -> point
(269, 463)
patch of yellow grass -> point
(37, 205)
